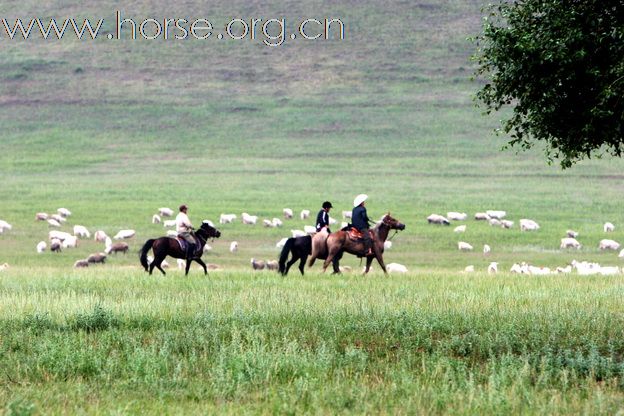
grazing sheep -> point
(165, 212)
(346, 214)
(437, 219)
(621, 255)
(249, 219)
(53, 223)
(96, 258)
(492, 268)
(81, 263)
(396, 268)
(305, 214)
(277, 222)
(64, 212)
(122, 234)
(4, 266)
(226, 218)
(81, 231)
(70, 242)
(486, 249)
(463, 246)
(564, 270)
(267, 223)
(608, 227)
(207, 248)
(156, 219)
(55, 245)
(494, 222)
(387, 244)
(59, 218)
(456, 216)
(570, 242)
(61, 235)
(288, 213)
(298, 233)
(469, 269)
(539, 271)
(521, 268)
(100, 236)
(609, 270)
(309, 229)
(572, 234)
(507, 224)
(481, 216)
(108, 242)
(272, 265)
(257, 264)
(281, 243)
(460, 229)
(608, 245)
(499, 215)
(585, 268)
(233, 246)
(169, 223)
(172, 233)
(41, 246)
(41, 216)
(528, 225)
(120, 247)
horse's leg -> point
(188, 266)
(336, 263)
(201, 263)
(369, 261)
(380, 260)
(330, 256)
(290, 263)
(302, 263)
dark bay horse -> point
(300, 248)
(168, 246)
(340, 241)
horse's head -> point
(209, 231)
(392, 223)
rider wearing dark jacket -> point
(359, 220)
(322, 219)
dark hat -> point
(183, 207)
(327, 204)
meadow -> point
(113, 130)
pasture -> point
(113, 130)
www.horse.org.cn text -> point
(271, 32)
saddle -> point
(354, 234)
(184, 245)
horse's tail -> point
(143, 253)
(284, 254)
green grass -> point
(115, 130)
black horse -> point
(169, 246)
(301, 248)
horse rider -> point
(185, 230)
(360, 221)
(322, 219)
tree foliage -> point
(560, 66)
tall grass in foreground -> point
(240, 342)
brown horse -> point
(168, 246)
(340, 241)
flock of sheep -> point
(497, 219)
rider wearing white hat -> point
(359, 219)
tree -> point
(560, 66)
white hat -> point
(359, 199)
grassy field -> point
(113, 130)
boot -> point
(190, 251)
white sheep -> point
(64, 212)
(172, 233)
(298, 233)
(70, 242)
(621, 255)
(267, 223)
(438, 219)
(494, 222)
(181, 264)
(288, 213)
(165, 212)
(5, 225)
(481, 216)
(585, 268)
(528, 225)
(61, 235)
(100, 236)
(539, 271)
(607, 244)
(305, 214)
(41, 216)
(463, 246)
(507, 224)
(309, 229)
(564, 270)
(499, 215)
(41, 246)
(227, 218)
(169, 223)
(346, 214)
(456, 216)
(609, 270)
(608, 227)
(249, 219)
(460, 229)
(107, 243)
(59, 218)
(469, 269)
(570, 242)
(486, 249)
(396, 268)
(281, 243)
(53, 223)
(387, 244)
(521, 268)
(492, 268)
(233, 246)
(277, 222)
(81, 231)
(122, 234)
(332, 221)
(207, 248)
(571, 233)
(156, 219)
